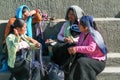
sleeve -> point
(31, 44)
(60, 35)
(90, 48)
(12, 43)
(7, 29)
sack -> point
(21, 65)
(21, 57)
(54, 72)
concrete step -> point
(5, 75)
(108, 27)
(113, 62)
(110, 73)
(113, 59)
(112, 69)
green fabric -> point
(12, 42)
(67, 30)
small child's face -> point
(71, 16)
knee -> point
(82, 61)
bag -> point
(21, 65)
(21, 57)
(55, 72)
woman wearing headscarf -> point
(29, 16)
(17, 41)
(90, 52)
(26, 14)
(68, 35)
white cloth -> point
(22, 45)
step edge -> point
(111, 70)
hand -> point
(72, 50)
(37, 45)
(32, 12)
(38, 10)
(16, 32)
(69, 40)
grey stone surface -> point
(109, 30)
(113, 62)
(5, 75)
(57, 8)
(109, 76)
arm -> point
(7, 30)
(87, 49)
(37, 17)
(32, 12)
(90, 46)
(33, 42)
(60, 35)
(12, 43)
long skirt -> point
(85, 68)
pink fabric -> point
(89, 47)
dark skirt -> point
(60, 53)
(21, 72)
(85, 68)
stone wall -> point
(57, 8)
(109, 29)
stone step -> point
(113, 59)
(5, 75)
(109, 76)
(113, 55)
(108, 27)
(110, 73)
(113, 62)
(112, 70)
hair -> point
(24, 10)
(70, 9)
(17, 24)
(92, 24)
